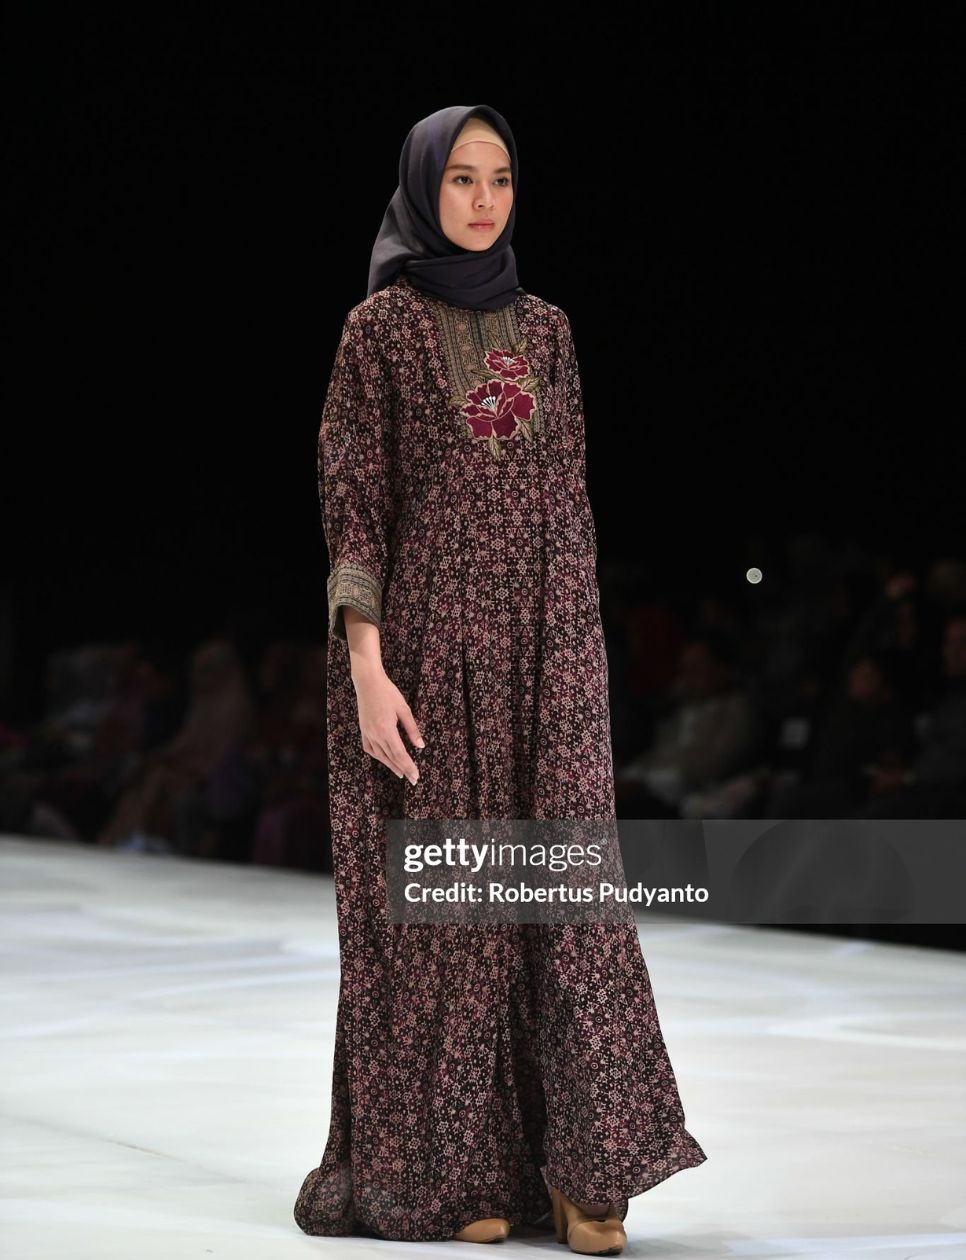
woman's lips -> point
(482, 227)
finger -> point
(397, 750)
(378, 753)
(386, 756)
(389, 754)
(387, 761)
(410, 727)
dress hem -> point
(620, 1202)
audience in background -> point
(836, 688)
(711, 731)
(868, 725)
(165, 778)
(931, 782)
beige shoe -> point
(588, 1235)
(489, 1229)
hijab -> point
(411, 240)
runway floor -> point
(167, 1061)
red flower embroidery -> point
(506, 365)
(502, 407)
(496, 408)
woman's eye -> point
(504, 179)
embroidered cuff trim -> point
(353, 585)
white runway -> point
(167, 1063)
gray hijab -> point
(411, 240)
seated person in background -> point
(867, 725)
(934, 785)
(711, 731)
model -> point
(509, 1073)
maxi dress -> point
(474, 1066)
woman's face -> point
(476, 187)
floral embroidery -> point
(510, 366)
(490, 376)
(503, 405)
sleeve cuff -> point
(353, 585)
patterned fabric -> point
(474, 1065)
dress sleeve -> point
(355, 473)
(573, 439)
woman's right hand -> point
(381, 704)
(381, 708)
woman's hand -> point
(381, 708)
(381, 703)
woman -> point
(463, 605)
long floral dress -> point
(474, 1065)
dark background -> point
(750, 224)
(746, 211)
